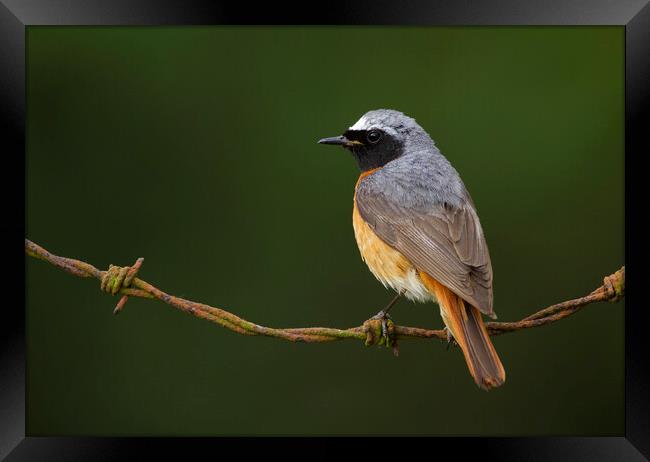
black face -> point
(371, 148)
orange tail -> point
(466, 325)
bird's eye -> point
(373, 136)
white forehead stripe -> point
(361, 124)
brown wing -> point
(445, 241)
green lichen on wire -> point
(123, 281)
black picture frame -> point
(16, 15)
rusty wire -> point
(122, 281)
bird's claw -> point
(450, 337)
(380, 330)
(384, 317)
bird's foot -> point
(450, 337)
(384, 317)
(380, 330)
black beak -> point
(341, 140)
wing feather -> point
(446, 241)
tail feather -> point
(466, 325)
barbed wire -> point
(123, 281)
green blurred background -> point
(195, 147)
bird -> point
(419, 233)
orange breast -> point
(388, 265)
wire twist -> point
(122, 280)
(117, 278)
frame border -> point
(17, 15)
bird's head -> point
(379, 137)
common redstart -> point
(418, 231)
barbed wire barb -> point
(123, 281)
